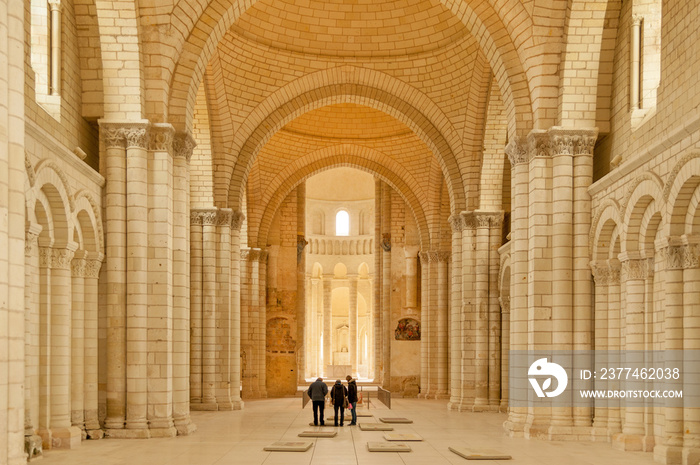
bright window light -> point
(342, 223)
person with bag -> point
(352, 398)
(317, 392)
(339, 396)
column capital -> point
(434, 256)
(486, 219)
(456, 222)
(55, 5)
(468, 220)
(411, 251)
(203, 216)
(682, 256)
(633, 269)
(614, 269)
(92, 268)
(123, 134)
(31, 238)
(224, 217)
(601, 273)
(505, 304)
(237, 218)
(572, 141)
(78, 267)
(636, 19)
(61, 258)
(183, 145)
(517, 152)
(161, 137)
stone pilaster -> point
(78, 266)
(457, 226)
(327, 324)
(92, 273)
(352, 316)
(236, 367)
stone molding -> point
(61, 259)
(183, 145)
(552, 142)
(204, 216)
(433, 256)
(682, 257)
(488, 219)
(45, 256)
(634, 269)
(614, 269)
(637, 19)
(124, 134)
(254, 255)
(386, 242)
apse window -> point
(342, 223)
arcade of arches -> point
(209, 201)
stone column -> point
(315, 330)
(614, 338)
(327, 323)
(468, 312)
(223, 310)
(77, 375)
(425, 313)
(236, 340)
(691, 327)
(377, 359)
(63, 434)
(114, 144)
(254, 321)
(44, 345)
(442, 334)
(262, 321)
(196, 221)
(505, 345)
(246, 342)
(671, 448)
(302, 323)
(411, 253)
(481, 278)
(633, 274)
(159, 265)
(92, 273)
(635, 61)
(601, 275)
(31, 334)
(352, 316)
(455, 314)
(495, 340)
(209, 271)
(518, 156)
(387, 328)
(136, 283)
(182, 146)
(56, 44)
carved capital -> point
(124, 134)
(92, 268)
(682, 257)
(78, 266)
(634, 269)
(161, 138)
(386, 242)
(61, 259)
(505, 303)
(45, 257)
(136, 137)
(112, 136)
(224, 217)
(614, 273)
(637, 20)
(203, 217)
(538, 144)
(601, 274)
(30, 241)
(516, 151)
(245, 254)
(301, 243)
(237, 220)
(468, 220)
(183, 145)
(564, 141)
(456, 222)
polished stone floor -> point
(238, 438)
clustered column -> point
(253, 323)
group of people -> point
(341, 396)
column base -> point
(482, 405)
(33, 447)
(599, 434)
(238, 404)
(536, 431)
(208, 407)
(62, 438)
(514, 429)
(632, 442)
(225, 406)
(184, 426)
(92, 425)
(124, 433)
(569, 433)
(170, 432)
(668, 455)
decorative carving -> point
(516, 152)
(456, 222)
(634, 269)
(690, 256)
(562, 144)
(161, 138)
(539, 145)
(614, 274)
(386, 242)
(224, 216)
(670, 181)
(245, 254)
(482, 220)
(601, 274)
(61, 259)
(92, 268)
(407, 329)
(136, 137)
(30, 241)
(237, 220)
(45, 257)
(263, 256)
(468, 220)
(183, 145)
(29, 169)
(78, 266)
(565, 141)
(505, 304)
(201, 217)
(637, 19)
(674, 257)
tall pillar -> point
(441, 333)
(495, 339)
(63, 434)
(303, 325)
(246, 339)
(635, 61)
(31, 332)
(387, 328)
(236, 340)
(411, 253)
(481, 278)
(505, 345)
(425, 313)
(614, 340)
(352, 315)
(262, 331)
(633, 274)
(315, 330)
(182, 147)
(222, 370)
(196, 295)
(691, 302)
(327, 323)
(92, 273)
(467, 318)
(77, 377)
(209, 245)
(455, 314)
(601, 275)
(377, 359)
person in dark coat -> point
(338, 395)
(352, 398)
(317, 392)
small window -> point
(342, 223)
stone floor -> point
(239, 437)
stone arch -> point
(203, 24)
(87, 218)
(361, 158)
(52, 184)
(678, 192)
(640, 203)
(344, 84)
(605, 231)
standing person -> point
(338, 396)
(317, 392)
(352, 398)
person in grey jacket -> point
(317, 392)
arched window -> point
(342, 223)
